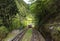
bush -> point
(15, 24)
(3, 32)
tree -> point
(8, 9)
(45, 11)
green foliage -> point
(15, 23)
(45, 11)
(21, 6)
(3, 32)
(1, 22)
(8, 9)
(12, 12)
(23, 11)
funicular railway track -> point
(36, 36)
(20, 35)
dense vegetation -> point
(8, 10)
(46, 14)
(11, 15)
